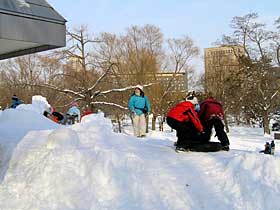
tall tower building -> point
(220, 64)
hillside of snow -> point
(46, 166)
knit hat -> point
(140, 87)
(74, 103)
(14, 97)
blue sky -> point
(203, 20)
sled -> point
(58, 115)
(206, 147)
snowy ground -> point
(45, 166)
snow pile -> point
(14, 125)
(96, 119)
(39, 105)
(88, 167)
(62, 138)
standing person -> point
(139, 106)
(184, 119)
(211, 115)
(74, 111)
(15, 102)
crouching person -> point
(211, 115)
(184, 119)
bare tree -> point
(256, 64)
(276, 45)
(137, 55)
(181, 51)
(101, 71)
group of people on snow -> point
(192, 121)
(73, 115)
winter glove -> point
(201, 133)
(133, 113)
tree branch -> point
(122, 89)
(101, 78)
(109, 104)
(66, 91)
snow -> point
(22, 3)
(39, 105)
(87, 166)
(63, 138)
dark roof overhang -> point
(29, 26)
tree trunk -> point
(226, 123)
(161, 126)
(266, 122)
(147, 124)
(237, 119)
(154, 123)
(119, 123)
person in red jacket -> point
(184, 119)
(211, 115)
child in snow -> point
(211, 115)
(139, 106)
(74, 111)
(15, 102)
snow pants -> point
(139, 125)
(219, 128)
(187, 134)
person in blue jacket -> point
(15, 102)
(74, 110)
(139, 107)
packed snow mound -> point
(96, 120)
(39, 105)
(63, 138)
(17, 122)
(14, 125)
(87, 167)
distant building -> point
(179, 81)
(29, 26)
(220, 63)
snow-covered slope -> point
(14, 125)
(89, 167)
